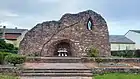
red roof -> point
(11, 36)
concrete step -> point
(57, 74)
(57, 71)
(53, 59)
(45, 77)
(54, 66)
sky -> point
(121, 15)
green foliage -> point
(117, 76)
(8, 77)
(137, 53)
(36, 54)
(15, 59)
(93, 52)
(123, 53)
(11, 51)
(0, 34)
(7, 47)
(2, 56)
(98, 60)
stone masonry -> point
(70, 32)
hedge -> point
(2, 56)
(15, 59)
(137, 53)
(126, 53)
(123, 53)
(11, 51)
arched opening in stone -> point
(89, 24)
(62, 49)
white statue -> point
(62, 54)
(66, 55)
(59, 54)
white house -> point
(13, 36)
(120, 42)
(134, 35)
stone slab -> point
(53, 60)
(55, 77)
(56, 57)
(55, 66)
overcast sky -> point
(121, 15)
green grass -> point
(7, 77)
(117, 76)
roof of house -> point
(13, 33)
(11, 36)
(14, 30)
(137, 31)
(120, 39)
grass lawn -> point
(117, 76)
(7, 77)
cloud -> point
(12, 25)
(121, 27)
(121, 15)
(8, 24)
(49, 1)
(8, 13)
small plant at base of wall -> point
(98, 60)
(93, 52)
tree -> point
(7, 47)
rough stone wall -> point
(110, 59)
(115, 70)
(72, 29)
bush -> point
(15, 59)
(123, 53)
(7, 47)
(11, 51)
(93, 52)
(137, 53)
(2, 56)
(98, 60)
